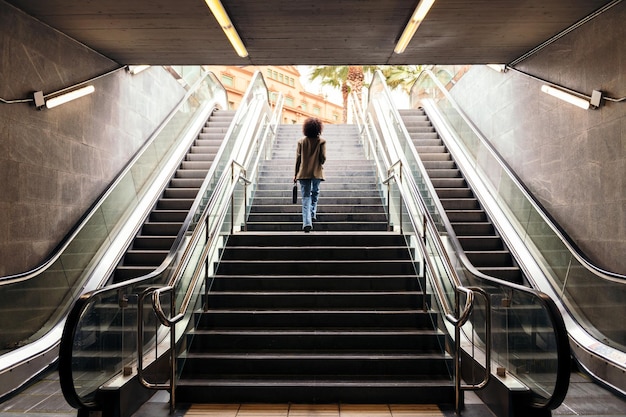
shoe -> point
(307, 229)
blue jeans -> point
(310, 189)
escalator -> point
(503, 233)
(30, 344)
(101, 357)
(474, 230)
(157, 235)
(478, 236)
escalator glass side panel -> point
(529, 333)
(590, 295)
(524, 340)
(41, 300)
(107, 318)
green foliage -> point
(397, 76)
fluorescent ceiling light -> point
(136, 69)
(72, 95)
(418, 16)
(227, 26)
(497, 67)
(562, 95)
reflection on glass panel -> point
(524, 341)
(54, 289)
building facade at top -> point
(299, 103)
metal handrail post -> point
(173, 367)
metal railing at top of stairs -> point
(96, 345)
(66, 273)
(508, 301)
(568, 272)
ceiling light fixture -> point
(136, 69)
(567, 97)
(498, 67)
(227, 26)
(72, 95)
(418, 16)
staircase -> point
(480, 241)
(349, 198)
(336, 315)
(155, 239)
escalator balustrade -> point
(155, 239)
(480, 241)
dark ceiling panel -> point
(298, 32)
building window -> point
(316, 110)
(228, 80)
(289, 101)
(303, 106)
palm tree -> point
(346, 78)
(351, 78)
(401, 76)
(336, 77)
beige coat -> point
(310, 158)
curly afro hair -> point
(312, 127)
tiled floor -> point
(44, 399)
(158, 407)
(303, 410)
(588, 399)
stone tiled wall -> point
(55, 162)
(573, 160)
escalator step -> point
(490, 258)
(190, 193)
(175, 203)
(191, 173)
(145, 257)
(161, 229)
(200, 157)
(454, 193)
(511, 274)
(448, 182)
(153, 242)
(444, 173)
(460, 204)
(461, 216)
(474, 229)
(481, 242)
(168, 215)
(186, 182)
